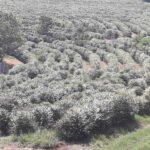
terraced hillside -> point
(86, 66)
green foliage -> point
(43, 116)
(76, 124)
(22, 122)
(76, 66)
(142, 41)
(10, 38)
(124, 109)
(4, 122)
(1, 54)
(45, 24)
(41, 57)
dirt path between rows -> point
(12, 61)
(144, 125)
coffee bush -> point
(22, 122)
(4, 121)
(76, 124)
(43, 116)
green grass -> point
(139, 140)
(135, 140)
(99, 142)
(42, 139)
(143, 119)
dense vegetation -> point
(79, 77)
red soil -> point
(58, 148)
(12, 61)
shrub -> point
(94, 73)
(33, 38)
(33, 70)
(78, 60)
(73, 67)
(124, 109)
(147, 78)
(10, 82)
(124, 43)
(22, 54)
(45, 24)
(110, 77)
(138, 91)
(76, 124)
(140, 57)
(134, 28)
(147, 94)
(123, 28)
(94, 61)
(1, 54)
(111, 59)
(4, 122)
(42, 95)
(63, 65)
(99, 111)
(144, 106)
(60, 108)
(70, 54)
(7, 101)
(111, 34)
(17, 69)
(43, 116)
(145, 103)
(22, 122)
(41, 57)
(124, 57)
(137, 82)
(146, 65)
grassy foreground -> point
(138, 140)
(42, 139)
(121, 140)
